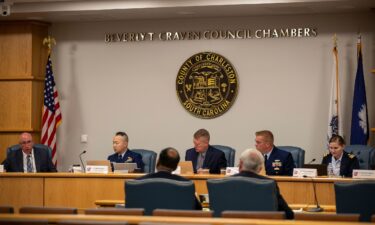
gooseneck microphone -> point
(317, 208)
(80, 158)
(313, 160)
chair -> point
(365, 155)
(115, 211)
(6, 209)
(90, 222)
(276, 215)
(17, 221)
(148, 158)
(47, 210)
(356, 197)
(159, 193)
(229, 152)
(298, 154)
(327, 217)
(242, 193)
(182, 213)
(17, 147)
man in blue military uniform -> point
(122, 153)
(277, 162)
(342, 162)
(204, 156)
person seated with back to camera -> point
(251, 164)
(123, 154)
(342, 162)
(204, 156)
(167, 163)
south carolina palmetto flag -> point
(334, 119)
(51, 117)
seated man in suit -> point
(277, 162)
(251, 163)
(122, 153)
(28, 158)
(167, 163)
(204, 156)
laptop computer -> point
(124, 167)
(321, 168)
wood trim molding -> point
(19, 130)
(21, 78)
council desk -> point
(82, 190)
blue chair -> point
(356, 197)
(229, 152)
(242, 194)
(159, 193)
(148, 158)
(17, 147)
(365, 155)
(298, 155)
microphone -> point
(313, 160)
(80, 158)
(317, 208)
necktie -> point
(200, 161)
(119, 158)
(29, 164)
(265, 161)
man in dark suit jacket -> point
(123, 154)
(167, 163)
(277, 162)
(204, 156)
(29, 157)
(251, 163)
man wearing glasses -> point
(28, 158)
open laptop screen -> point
(321, 168)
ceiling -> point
(109, 10)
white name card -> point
(305, 172)
(97, 169)
(364, 174)
(231, 170)
(1, 168)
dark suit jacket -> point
(214, 159)
(280, 163)
(348, 163)
(282, 204)
(43, 161)
(168, 175)
(130, 157)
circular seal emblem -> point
(207, 85)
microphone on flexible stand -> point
(80, 158)
(317, 208)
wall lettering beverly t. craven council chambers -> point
(303, 32)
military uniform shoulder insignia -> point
(351, 156)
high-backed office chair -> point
(365, 155)
(17, 147)
(274, 215)
(6, 209)
(182, 213)
(115, 211)
(242, 193)
(148, 158)
(47, 210)
(159, 193)
(229, 152)
(327, 217)
(298, 154)
(356, 197)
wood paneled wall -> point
(22, 69)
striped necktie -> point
(29, 164)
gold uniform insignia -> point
(351, 156)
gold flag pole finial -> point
(49, 41)
(335, 40)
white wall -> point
(283, 83)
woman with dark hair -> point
(340, 162)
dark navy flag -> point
(360, 126)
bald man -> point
(29, 158)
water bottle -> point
(330, 170)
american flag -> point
(51, 117)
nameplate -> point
(1, 168)
(96, 169)
(77, 169)
(364, 174)
(231, 170)
(305, 172)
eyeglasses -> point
(25, 142)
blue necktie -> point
(119, 158)
(29, 164)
